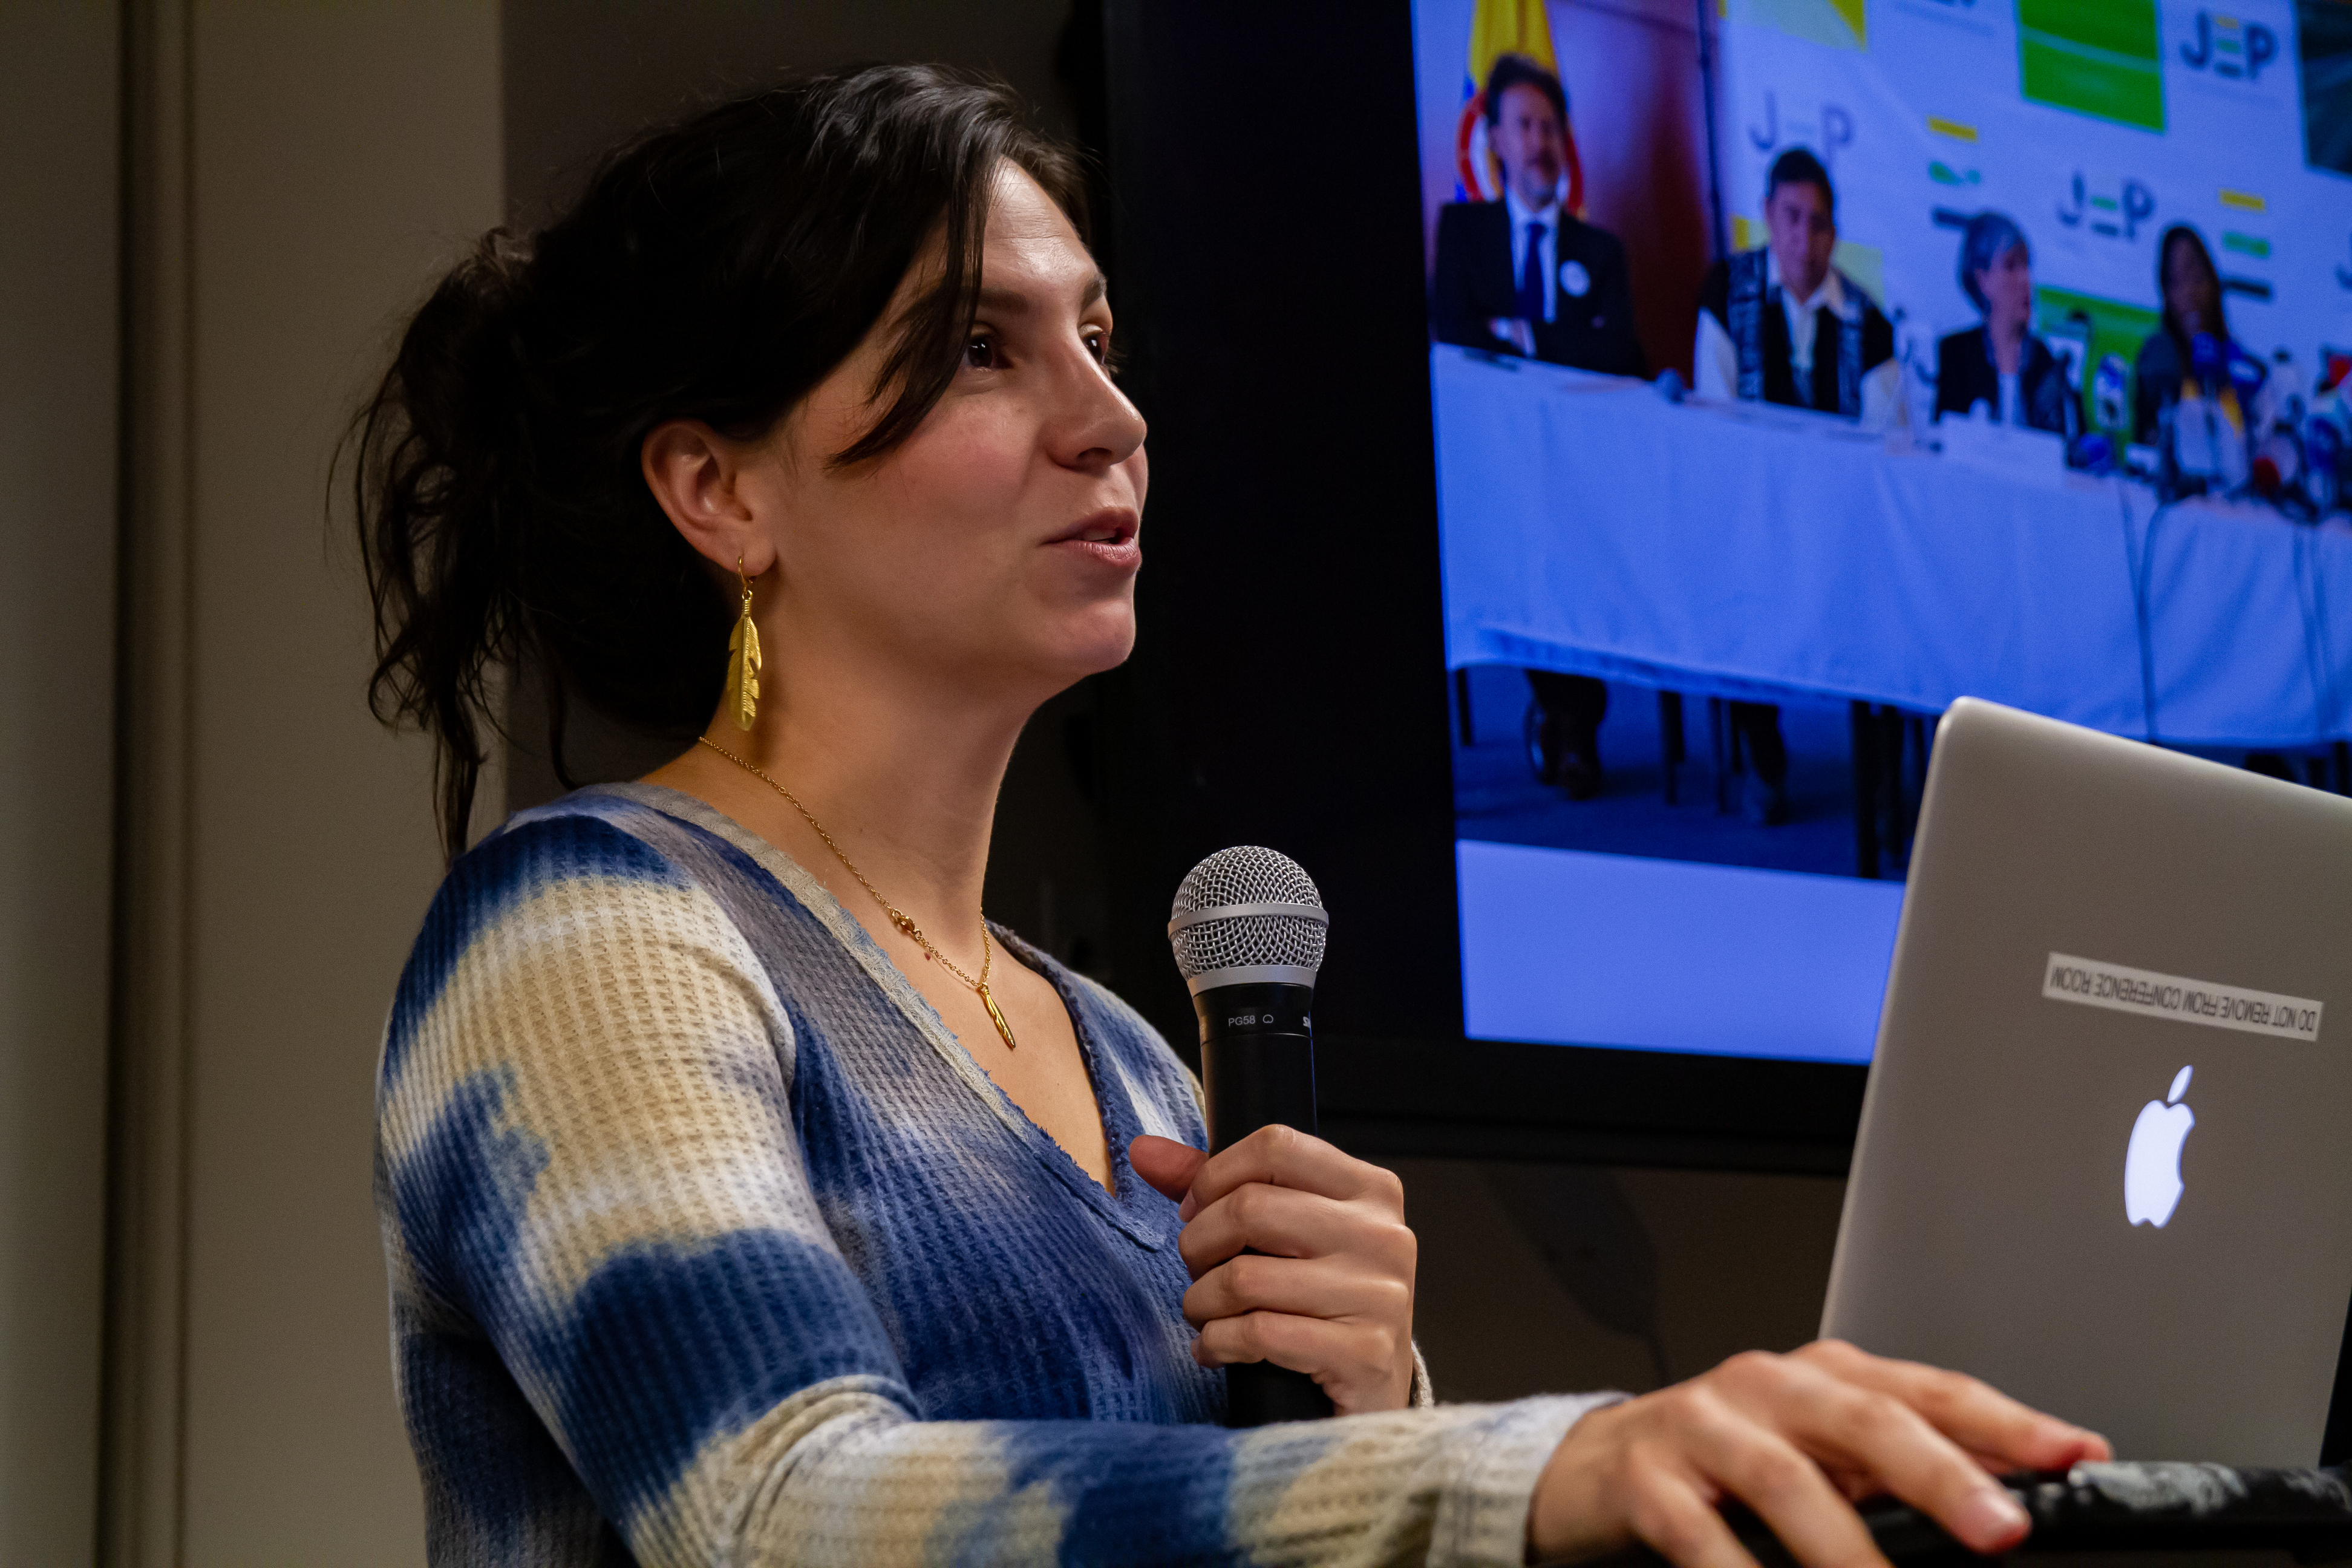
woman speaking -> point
(2001, 364)
(2191, 288)
(748, 1197)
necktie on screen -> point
(1531, 278)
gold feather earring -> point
(743, 659)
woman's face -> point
(2189, 291)
(994, 551)
(2008, 285)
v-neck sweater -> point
(710, 1242)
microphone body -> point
(1258, 1059)
(1248, 933)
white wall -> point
(57, 385)
(300, 176)
(342, 152)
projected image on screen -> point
(1793, 382)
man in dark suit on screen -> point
(1524, 276)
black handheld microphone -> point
(1248, 929)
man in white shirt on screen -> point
(1779, 324)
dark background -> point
(1289, 686)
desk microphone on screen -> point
(1248, 929)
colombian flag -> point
(1505, 27)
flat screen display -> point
(1697, 635)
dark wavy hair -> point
(1517, 70)
(2186, 234)
(1799, 166)
(717, 269)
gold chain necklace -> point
(899, 917)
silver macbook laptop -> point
(2105, 1155)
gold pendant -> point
(997, 1019)
(743, 671)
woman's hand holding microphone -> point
(1328, 1287)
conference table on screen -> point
(1591, 526)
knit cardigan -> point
(709, 1242)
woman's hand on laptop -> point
(1798, 1438)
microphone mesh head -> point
(1246, 874)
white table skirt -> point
(1590, 526)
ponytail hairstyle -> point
(717, 269)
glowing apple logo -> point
(2152, 1163)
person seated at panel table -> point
(2190, 286)
(1826, 346)
(2002, 364)
(1779, 324)
(1523, 276)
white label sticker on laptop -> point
(2174, 996)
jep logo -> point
(2230, 49)
(1827, 132)
(2115, 210)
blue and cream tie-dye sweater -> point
(708, 1243)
